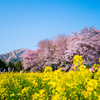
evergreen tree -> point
(2, 64)
(18, 65)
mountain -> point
(12, 56)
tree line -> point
(17, 65)
(59, 51)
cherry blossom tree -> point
(45, 54)
(30, 59)
(63, 48)
(85, 43)
(52, 51)
(60, 45)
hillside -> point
(12, 56)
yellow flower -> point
(25, 90)
(90, 88)
(74, 68)
(55, 85)
(47, 69)
(95, 66)
(42, 91)
(95, 93)
(12, 95)
(19, 94)
(77, 60)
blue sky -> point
(23, 23)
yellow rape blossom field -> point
(80, 84)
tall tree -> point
(30, 59)
(62, 49)
(18, 65)
(2, 64)
(85, 43)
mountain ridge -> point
(12, 56)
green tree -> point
(18, 65)
(11, 65)
(2, 64)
